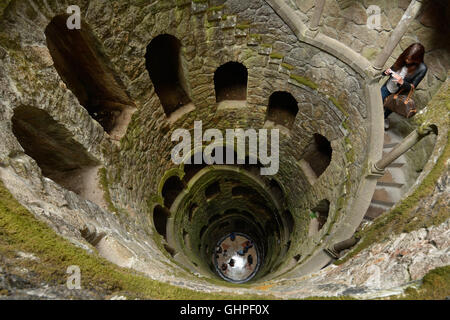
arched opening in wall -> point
(52, 146)
(252, 165)
(318, 154)
(92, 235)
(229, 212)
(321, 212)
(289, 220)
(213, 219)
(192, 210)
(165, 67)
(186, 239)
(240, 191)
(240, 224)
(160, 216)
(192, 169)
(171, 189)
(83, 68)
(230, 81)
(223, 225)
(202, 231)
(283, 109)
(276, 191)
(170, 250)
(212, 191)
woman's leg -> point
(384, 94)
(387, 112)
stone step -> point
(391, 179)
(388, 204)
(374, 212)
(396, 165)
(387, 177)
(390, 184)
(387, 138)
(394, 172)
(381, 194)
(390, 145)
(364, 224)
(395, 193)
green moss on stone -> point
(338, 105)
(287, 66)
(346, 127)
(304, 81)
(256, 36)
(350, 156)
(3, 5)
(370, 53)
(243, 26)
(178, 3)
(276, 55)
(103, 176)
(21, 231)
(169, 173)
(313, 215)
(435, 286)
(216, 8)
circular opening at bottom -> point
(236, 258)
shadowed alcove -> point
(82, 66)
(321, 212)
(160, 216)
(212, 190)
(52, 146)
(172, 187)
(230, 82)
(283, 109)
(318, 154)
(164, 65)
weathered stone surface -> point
(380, 270)
(328, 92)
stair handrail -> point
(378, 168)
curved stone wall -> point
(337, 97)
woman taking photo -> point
(405, 74)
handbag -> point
(401, 104)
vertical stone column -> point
(409, 15)
(315, 20)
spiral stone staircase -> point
(339, 170)
(389, 188)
